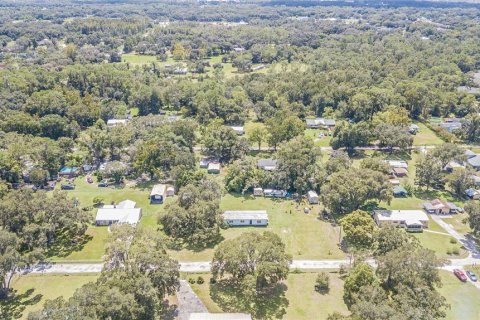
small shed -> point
(214, 167)
(400, 172)
(204, 163)
(238, 130)
(399, 191)
(170, 192)
(258, 192)
(312, 197)
(395, 182)
(157, 194)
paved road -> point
(204, 266)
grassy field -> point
(297, 298)
(463, 298)
(134, 58)
(305, 236)
(319, 142)
(33, 290)
(425, 137)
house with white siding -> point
(246, 218)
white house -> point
(116, 122)
(158, 193)
(246, 218)
(213, 167)
(397, 164)
(320, 123)
(123, 212)
(238, 130)
(411, 220)
(312, 197)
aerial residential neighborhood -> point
(239, 160)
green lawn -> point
(441, 244)
(296, 300)
(31, 291)
(425, 137)
(305, 236)
(138, 58)
(319, 142)
(463, 298)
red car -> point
(460, 275)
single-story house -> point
(267, 164)
(476, 180)
(399, 191)
(219, 316)
(451, 126)
(473, 194)
(469, 153)
(238, 130)
(213, 167)
(170, 192)
(320, 123)
(246, 218)
(312, 197)
(400, 172)
(123, 212)
(438, 206)
(258, 192)
(273, 193)
(411, 220)
(474, 162)
(397, 164)
(413, 128)
(158, 193)
(116, 122)
(69, 171)
(452, 165)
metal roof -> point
(247, 214)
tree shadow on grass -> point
(64, 245)
(13, 306)
(428, 195)
(270, 304)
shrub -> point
(449, 252)
(191, 280)
(456, 251)
(322, 284)
(97, 201)
(453, 240)
(200, 280)
(343, 269)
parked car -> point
(460, 275)
(103, 184)
(472, 276)
(89, 179)
(67, 186)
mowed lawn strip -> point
(462, 297)
(33, 290)
(302, 301)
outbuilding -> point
(399, 191)
(258, 192)
(267, 164)
(170, 192)
(246, 218)
(400, 172)
(213, 167)
(312, 197)
(157, 194)
(238, 130)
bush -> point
(453, 240)
(322, 284)
(191, 280)
(343, 269)
(200, 280)
(213, 281)
(97, 201)
(449, 252)
(456, 251)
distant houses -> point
(246, 218)
(238, 130)
(410, 220)
(451, 124)
(320, 123)
(116, 122)
(122, 213)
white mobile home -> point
(213, 167)
(246, 218)
(123, 212)
(258, 192)
(158, 193)
(312, 197)
(411, 220)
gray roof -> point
(474, 161)
(262, 163)
(120, 215)
(158, 189)
(451, 126)
(469, 153)
(248, 214)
